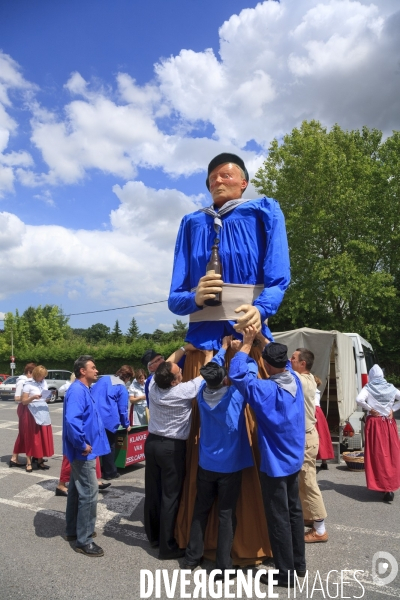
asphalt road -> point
(36, 563)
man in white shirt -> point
(170, 404)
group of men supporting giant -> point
(253, 472)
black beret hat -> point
(213, 374)
(275, 354)
(148, 357)
(223, 158)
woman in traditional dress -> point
(137, 398)
(19, 446)
(325, 450)
(37, 422)
(382, 444)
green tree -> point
(45, 323)
(79, 332)
(133, 332)
(180, 330)
(116, 334)
(339, 191)
(40, 325)
(159, 335)
(97, 333)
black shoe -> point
(12, 463)
(42, 466)
(301, 573)
(91, 549)
(324, 466)
(155, 544)
(61, 492)
(72, 538)
(192, 566)
(104, 486)
(388, 497)
(179, 553)
(35, 459)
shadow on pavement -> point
(355, 492)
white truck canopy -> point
(328, 346)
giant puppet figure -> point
(254, 255)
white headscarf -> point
(378, 387)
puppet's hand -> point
(208, 286)
(251, 317)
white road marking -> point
(138, 482)
(117, 504)
(33, 508)
(374, 532)
(6, 424)
(112, 527)
(4, 473)
(43, 491)
(365, 579)
(19, 471)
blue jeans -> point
(83, 491)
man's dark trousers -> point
(285, 523)
(108, 460)
(165, 471)
(225, 487)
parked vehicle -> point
(55, 379)
(364, 358)
(3, 377)
(7, 388)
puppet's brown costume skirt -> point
(251, 544)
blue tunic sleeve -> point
(276, 262)
(122, 402)
(243, 374)
(74, 411)
(181, 299)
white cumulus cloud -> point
(11, 80)
(129, 264)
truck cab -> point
(364, 358)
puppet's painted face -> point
(226, 183)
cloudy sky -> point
(111, 111)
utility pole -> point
(12, 357)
